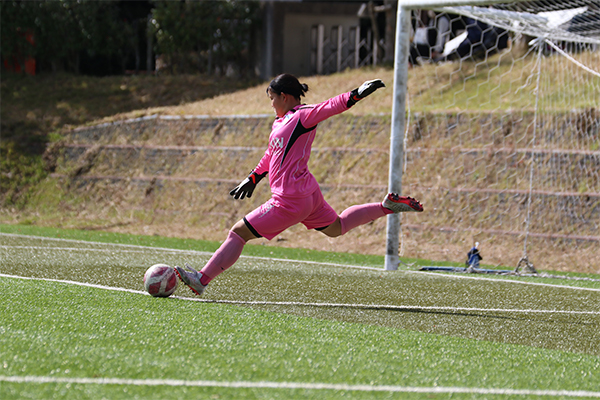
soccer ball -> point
(160, 280)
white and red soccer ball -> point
(160, 280)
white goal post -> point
(502, 140)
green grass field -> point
(281, 324)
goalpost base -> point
(391, 262)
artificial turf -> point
(282, 321)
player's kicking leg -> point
(227, 254)
(361, 214)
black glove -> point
(364, 90)
(246, 187)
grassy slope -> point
(35, 107)
(43, 104)
(53, 101)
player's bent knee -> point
(241, 229)
(333, 230)
(333, 234)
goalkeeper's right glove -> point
(246, 187)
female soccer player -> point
(296, 196)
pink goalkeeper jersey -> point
(290, 143)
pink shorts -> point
(278, 214)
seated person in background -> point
(474, 257)
(431, 34)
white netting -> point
(503, 135)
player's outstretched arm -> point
(246, 187)
(364, 90)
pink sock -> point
(224, 257)
(361, 214)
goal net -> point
(502, 137)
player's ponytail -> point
(288, 84)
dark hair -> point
(288, 84)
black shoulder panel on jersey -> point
(299, 130)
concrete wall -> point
(286, 32)
(297, 40)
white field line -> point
(133, 246)
(206, 253)
(457, 310)
(91, 285)
(298, 385)
(88, 249)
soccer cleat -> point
(191, 278)
(401, 203)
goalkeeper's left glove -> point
(246, 187)
(364, 90)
